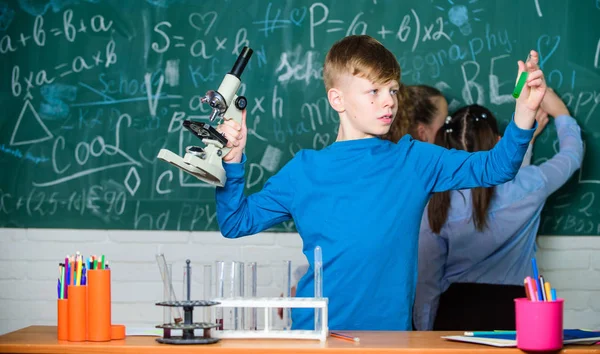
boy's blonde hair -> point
(362, 56)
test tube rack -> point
(188, 326)
(268, 304)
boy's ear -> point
(336, 99)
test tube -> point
(522, 79)
(250, 292)
(230, 284)
(167, 277)
(167, 310)
(239, 312)
(287, 292)
(219, 291)
(208, 294)
(282, 278)
(318, 257)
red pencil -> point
(527, 289)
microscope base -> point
(195, 166)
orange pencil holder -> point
(77, 316)
(99, 305)
(62, 319)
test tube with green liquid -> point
(522, 80)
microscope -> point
(206, 163)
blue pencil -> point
(83, 277)
(535, 268)
(68, 275)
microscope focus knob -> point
(241, 103)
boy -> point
(361, 199)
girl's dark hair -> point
(415, 106)
(471, 128)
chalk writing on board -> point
(597, 56)
(93, 89)
(537, 8)
(29, 111)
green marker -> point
(522, 80)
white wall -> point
(29, 266)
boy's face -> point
(370, 108)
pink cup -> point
(539, 324)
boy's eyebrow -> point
(396, 85)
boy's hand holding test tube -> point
(529, 91)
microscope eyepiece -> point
(240, 63)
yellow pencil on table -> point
(548, 291)
(344, 336)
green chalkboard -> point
(92, 89)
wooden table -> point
(42, 339)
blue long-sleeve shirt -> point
(502, 252)
(362, 202)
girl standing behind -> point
(475, 246)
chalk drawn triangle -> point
(33, 112)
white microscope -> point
(206, 163)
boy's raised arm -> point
(452, 169)
(237, 214)
(445, 169)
